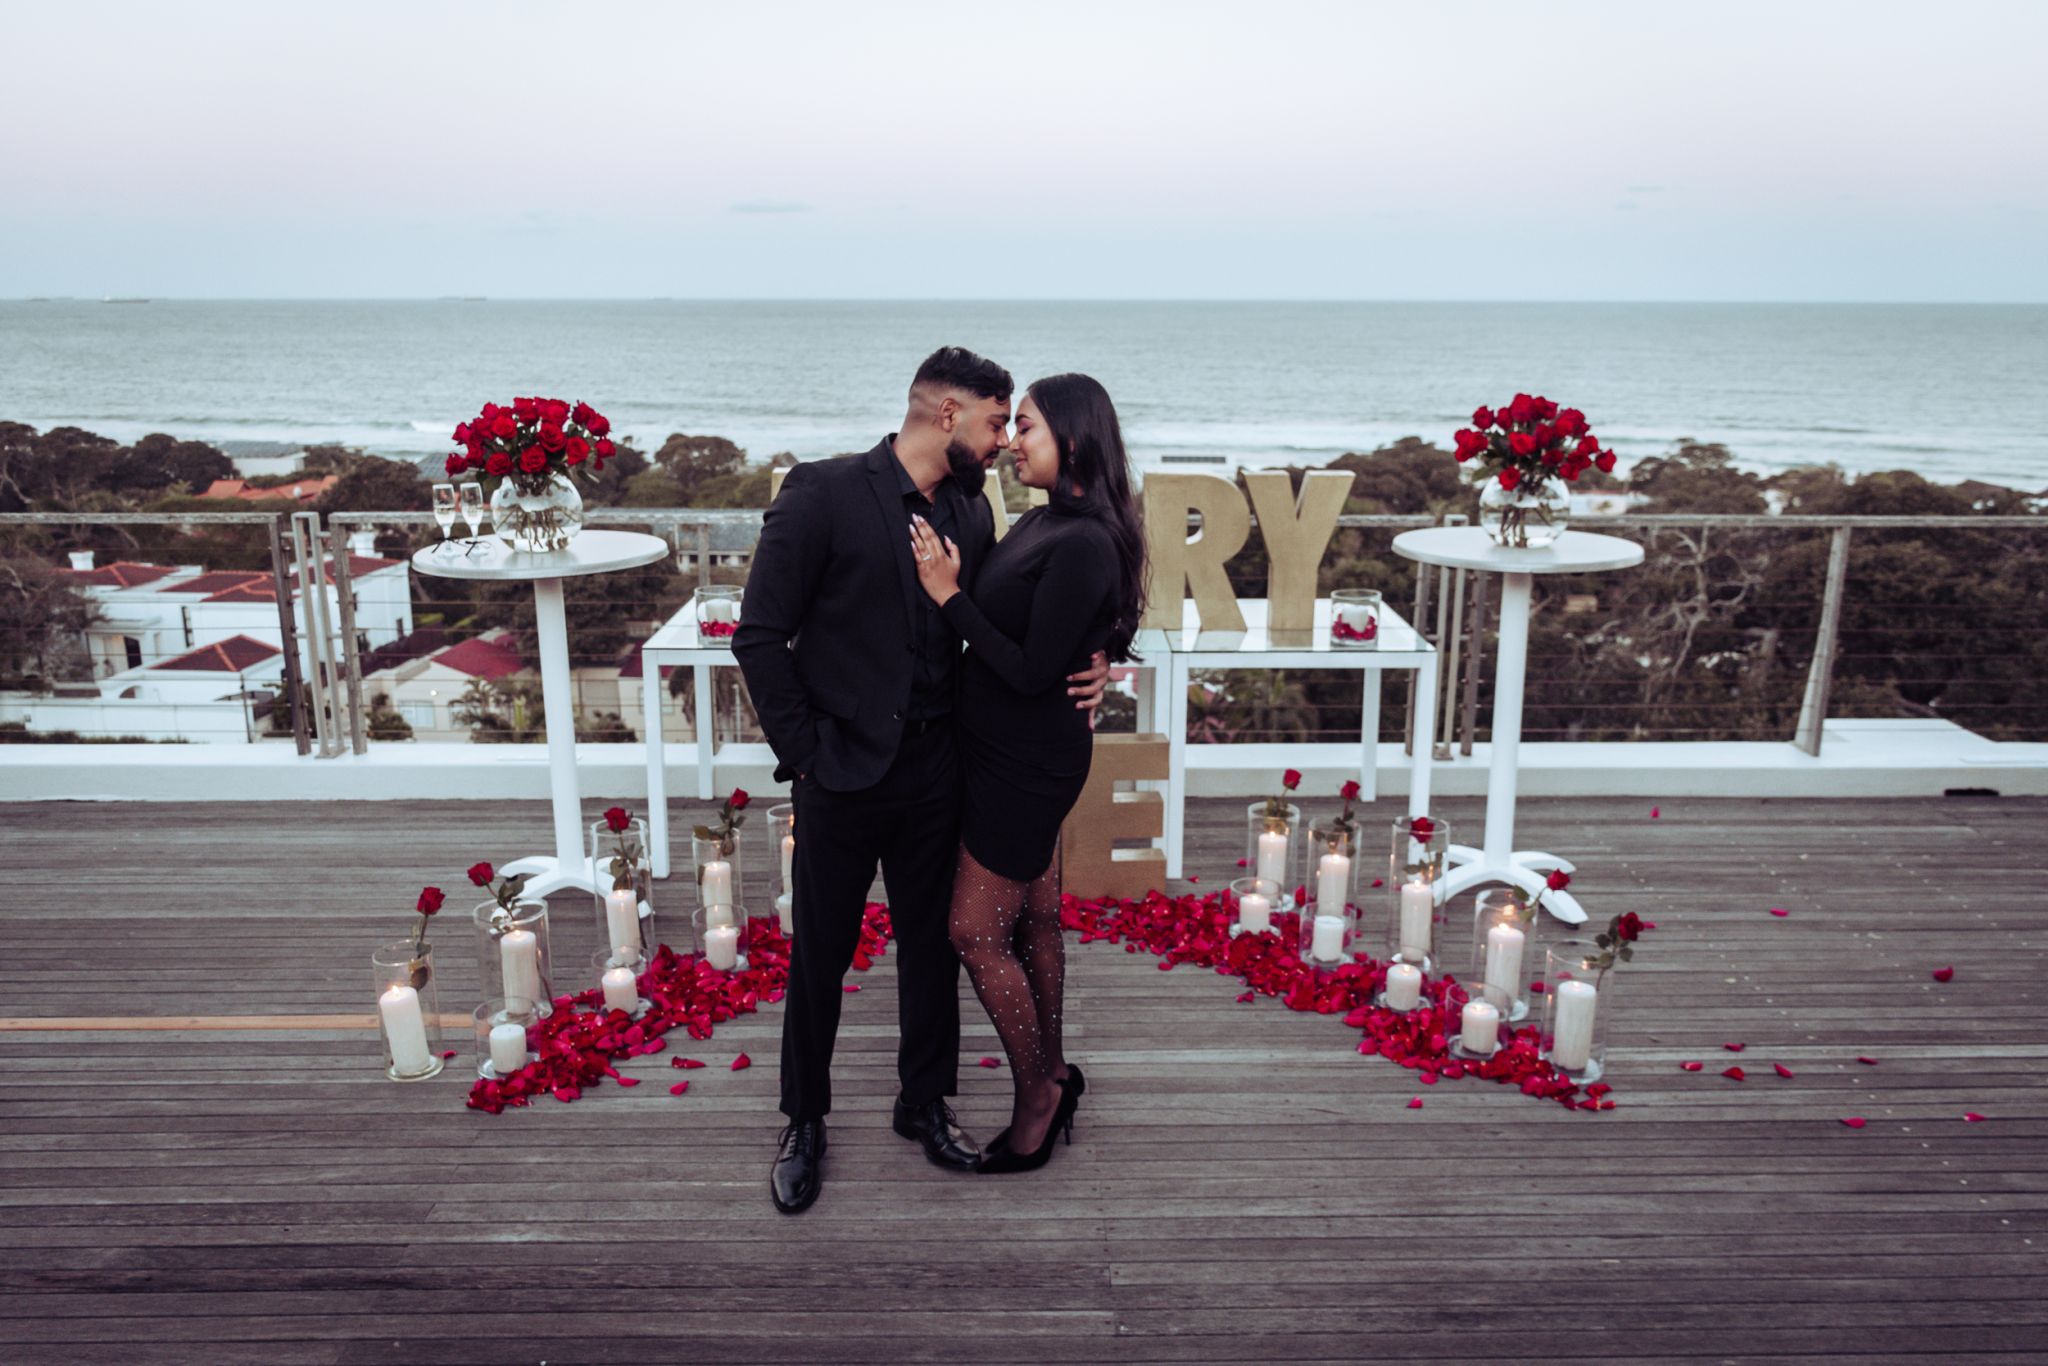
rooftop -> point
(480, 657)
(232, 655)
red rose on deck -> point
(430, 900)
(481, 874)
(499, 465)
(1349, 792)
(534, 460)
(1630, 927)
(1558, 880)
(616, 819)
(1510, 477)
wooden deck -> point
(1243, 1187)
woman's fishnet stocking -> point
(991, 916)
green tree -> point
(371, 484)
(43, 619)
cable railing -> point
(1737, 626)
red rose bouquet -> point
(531, 453)
(1520, 449)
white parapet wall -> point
(1907, 758)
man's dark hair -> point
(958, 368)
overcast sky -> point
(1791, 149)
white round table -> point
(1469, 547)
(592, 552)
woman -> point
(1066, 581)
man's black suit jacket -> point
(825, 640)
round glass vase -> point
(1272, 832)
(1527, 517)
(622, 885)
(408, 1010)
(1504, 946)
(617, 976)
(1355, 618)
(1251, 905)
(718, 867)
(721, 935)
(504, 1035)
(512, 953)
(782, 839)
(1578, 1001)
(1415, 880)
(1329, 920)
(1475, 1016)
(718, 610)
(535, 512)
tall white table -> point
(592, 552)
(1467, 547)
(679, 644)
(1257, 647)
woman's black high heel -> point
(999, 1159)
(1074, 1081)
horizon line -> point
(991, 299)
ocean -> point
(1951, 391)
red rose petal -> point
(1379, 882)
(1415, 1103)
(1732, 1073)
(685, 1063)
(1649, 924)
(679, 1088)
(1853, 1122)
(850, 987)
(1782, 1070)
(1193, 878)
(448, 1053)
(741, 1063)
(1247, 996)
(1654, 813)
(1734, 1047)
(1242, 863)
(1866, 1060)
(1428, 1079)
(1972, 1117)
(1537, 988)
(990, 1062)
(1780, 912)
(629, 1081)
(1942, 974)
(1691, 1066)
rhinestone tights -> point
(1008, 936)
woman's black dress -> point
(1043, 603)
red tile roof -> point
(480, 658)
(299, 490)
(232, 656)
(214, 582)
(227, 586)
(120, 574)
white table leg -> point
(1421, 728)
(707, 728)
(657, 766)
(1369, 735)
(570, 866)
(1176, 762)
(1145, 682)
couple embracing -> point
(929, 693)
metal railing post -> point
(294, 681)
(1820, 675)
(327, 702)
(351, 658)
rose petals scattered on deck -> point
(1734, 1047)
(684, 1063)
(679, 1088)
(629, 1081)
(1942, 974)
(849, 987)
(1427, 1078)
(742, 1063)
(1972, 1117)
(1245, 996)
(448, 1053)
(1866, 1060)
(1690, 1066)
(990, 1062)
(1782, 1070)
(1780, 912)
(1733, 1073)
(1415, 1103)
(1853, 1122)
(1655, 813)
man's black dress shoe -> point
(943, 1140)
(798, 1174)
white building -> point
(425, 691)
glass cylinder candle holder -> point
(512, 953)
(1329, 920)
(622, 878)
(1504, 945)
(1273, 830)
(1355, 618)
(1475, 1018)
(408, 1010)
(504, 1034)
(718, 863)
(1415, 876)
(1578, 1001)
(718, 610)
(1252, 903)
(617, 977)
(782, 839)
(721, 935)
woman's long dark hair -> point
(1091, 444)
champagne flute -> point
(444, 513)
(473, 510)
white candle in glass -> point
(788, 859)
(622, 921)
(716, 887)
(1357, 616)
(1404, 986)
(1272, 858)
(722, 947)
(785, 913)
(1333, 883)
(1504, 945)
(1327, 942)
(1571, 1042)
(1254, 912)
(1480, 1027)
(508, 1048)
(1418, 904)
(714, 916)
(720, 609)
(519, 955)
(620, 993)
(405, 1029)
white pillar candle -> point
(1571, 1044)
(722, 947)
(1418, 904)
(716, 887)
(1404, 986)
(1504, 944)
(788, 859)
(622, 921)
(508, 1048)
(1254, 913)
(519, 955)
(1272, 858)
(405, 1028)
(720, 609)
(1327, 943)
(620, 993)
(1480, 1028)
(1333, 882)
(785, 913)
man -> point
(851, 669)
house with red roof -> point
(216, 672)
(297, 491)
(427, 690)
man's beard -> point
(968, 471)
